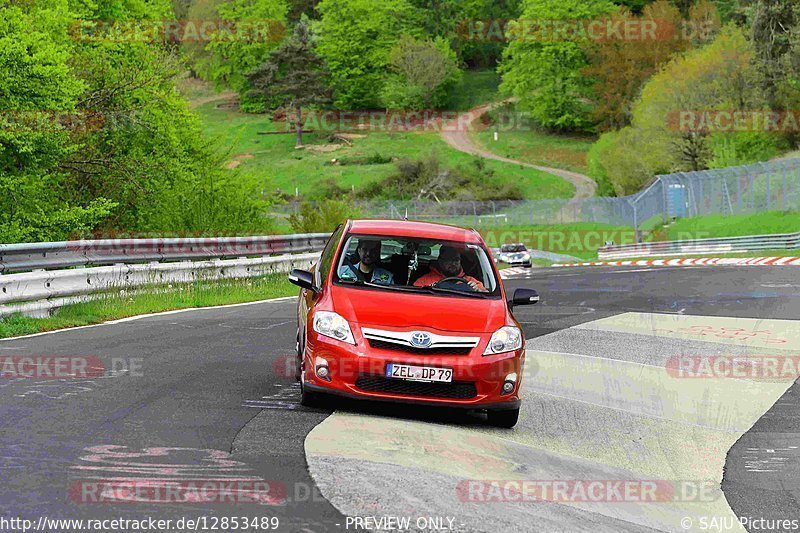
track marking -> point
(583, 417)
(762, 333)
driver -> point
(369, 253)
(448, 266)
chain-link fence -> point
(756, 188)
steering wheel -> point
(453, 279)
(460, 282)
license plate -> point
(419, 373)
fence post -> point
(769, 192)
(784, 187)
(738, 193)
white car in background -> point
(514, 255)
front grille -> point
(462, 390)
(384, 345)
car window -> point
(400, 263)
(326, 259)
(513, 248)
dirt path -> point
(459, 138)
(227, 95)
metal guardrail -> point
(37, 277)
(57, 255)
(752, 243)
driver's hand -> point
(475, 286)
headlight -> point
(334, 326)
(505, 339)
(525, 257)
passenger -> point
(369, 253)
(448, 266)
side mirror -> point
(303, 279)
(524, 297)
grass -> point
(734, 226)
(283, 167)
(112, 306)
(519, 139)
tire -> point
(298, 367)
(503, 419)
(310, 399)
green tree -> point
(477, 51)
(298, 8)
(620, 68)
(95, 136)
(355, 37)
(775, 31)
(546, 74)
(294, 75)
(718, 76)
(228, 61)
(425, 70)
(39, 94)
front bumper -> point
(476, 384)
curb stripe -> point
(701, 261)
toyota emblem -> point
(420, 339)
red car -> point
(410, 312)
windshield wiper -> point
(361, 283)
(412, 288)
(457, 292)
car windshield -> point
(417, 265)
(512, 248)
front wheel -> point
(298, 361)
(309, 398)
(504, 419)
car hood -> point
(375, 307)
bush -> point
(321, 217)
(596, 167)
(730, 150)
(425, 178)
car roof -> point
(408, 228)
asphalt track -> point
(204, 395)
